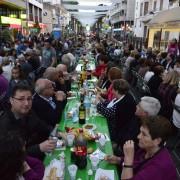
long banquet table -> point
(101, 127)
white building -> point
(34, 11)
(122, 18)
(145, 10)
(54, 15)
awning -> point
(166, 17)
(15, 26)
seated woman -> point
(100, 69)
(120, 113)
(113, 74)
(152, 160)
(103, 82)
(14, 164)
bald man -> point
(47, 103)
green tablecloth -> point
(101, 125)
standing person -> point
(22, 119)
(173, 47)
(152, 160)
(167, 92)
(48, 55)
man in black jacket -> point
(22, 119)
(47, 103)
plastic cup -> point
(102, 142)
(70, 139)
(72, 171)
(94, 162)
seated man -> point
(47, 103)
(22, 119)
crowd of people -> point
(35, 79)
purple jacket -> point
(37, 169)
(159, 167)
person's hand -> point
(60, 95)
(112, 159)
(61, 80)
(26, 167)
(48, 145)
(128, 149)
(66, 76)
(99, 98)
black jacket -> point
(45, 112)
(121, 119)
(31, 129)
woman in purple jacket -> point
(14, 164)
(152, 161)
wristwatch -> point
(127, 166)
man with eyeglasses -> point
(22, 119)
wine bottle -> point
(82, 112)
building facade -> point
(12, 16)
(34, 13)
(122, 16)
(55, 16)
(150, 24)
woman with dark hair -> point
(113, 74)
(100, 69)
(120, 113)
(155, 80)
(152, 160)
(103, 82)
(13, 161)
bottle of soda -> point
(80, 151)
(82, 112)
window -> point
(146, 4)
(40, 15)
(141, 9)
(154, 6)
(161, 5)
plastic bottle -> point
(87, 104)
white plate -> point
(103, 172)
(91, 129)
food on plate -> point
(87, 134)
(88, 126)
(52, 174)
(90, 150)
(103, 178)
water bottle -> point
(87, 104)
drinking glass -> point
(72, 171)
(70, 139)
(94, 162)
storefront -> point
(164, 27)
(12, 25)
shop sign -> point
(9, 20)
(23, 16)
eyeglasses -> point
(29, 99)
